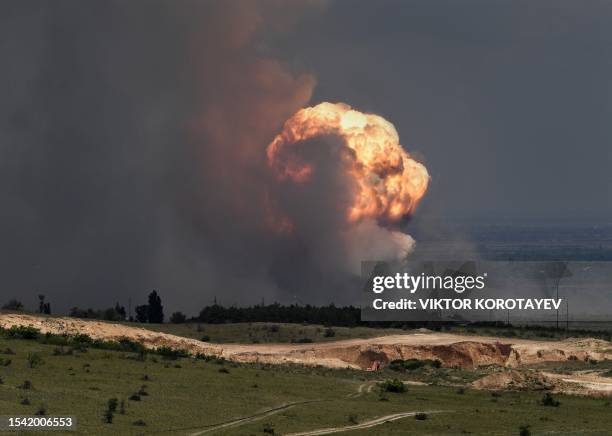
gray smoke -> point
(132, 152)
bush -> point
(112, 404)
(170, 353)
(108, 416)
(5, 362)
(329, 332)
(34, 360)
(23, 332)
(178, 318)
(394, 385)
(268, 429)
(301, 341)
(13, 304)
(41, 411)
(129, 345)
(8, 351)
(134, 397)
(524, 430)
(413, 364)
(82, 338)
(205, 338)
(61, 351)
(27, 384)
(139, 422)
(25, 401)
(549, 400)
(420, 416)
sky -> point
(133, 134)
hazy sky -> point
(132, 134)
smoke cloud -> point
(133, 157)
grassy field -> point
(259, 332)
(186, 396)
(280, 332)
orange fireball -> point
(389, 183)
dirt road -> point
(366, 424)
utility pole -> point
(567, 315)
(558, 303)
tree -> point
(178, 318)
(142, 313)
(156, 310)
(13, 304)
(120, 311)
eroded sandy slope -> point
(450, 349)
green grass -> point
(186, 395)
(285, 332)
(266, 332)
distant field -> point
(188, 396)
(267, 332)
(284, 332)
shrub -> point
(61, 351)
(8, 351)
(27, 384)
(420, 416)
(224, 370)
(41, 411)
(353, 419)
(139, 422)
(129, 345)
(34, 360)
(143, 391)
(170, 353)
(134, 397)
(413, 364)
(108, 416)
(394, 385)
(23, 332)
(25, 401)
(5, 362)
(112, 404)
(268, 429)
(549, 400)
(13, 304)
(329, 332)
(178, 318)
(205, 338)
(302, 341)
(82, 338)
(524, 430)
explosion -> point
(388, 183)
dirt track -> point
(450, 349)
